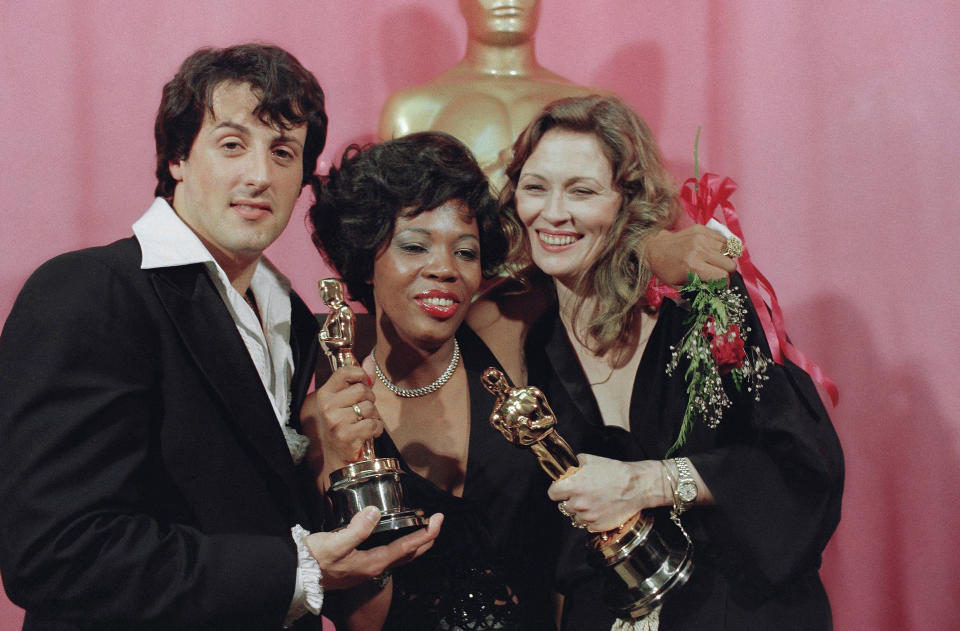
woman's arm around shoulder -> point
(502, 318)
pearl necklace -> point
(409, 393)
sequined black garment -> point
(492, 565)
(454, 587)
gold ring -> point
(562, 507)
(356, 408)
(732, 248)
(577, 523)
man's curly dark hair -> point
(289, 95)
(357, 204)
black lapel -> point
(211, 337)
(303, 343)
(566, 366)
(658, 401)
(589, 431)
(482, 436)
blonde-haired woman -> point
(585, 190)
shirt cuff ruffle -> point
(297, 443)
(308, 594)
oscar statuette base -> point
(374, 482)
(640, 567)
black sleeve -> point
(779, 478)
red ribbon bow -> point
(700, 200)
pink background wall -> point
(839, 120)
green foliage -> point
(706, 395)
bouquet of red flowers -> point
(714, 348)
(714, 342)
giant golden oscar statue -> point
(487, 98)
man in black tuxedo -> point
(150, 458)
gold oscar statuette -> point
(640, 565)
(370, 481)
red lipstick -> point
(438, 303)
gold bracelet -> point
(671, 480)
(669, 473)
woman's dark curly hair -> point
(357, 204)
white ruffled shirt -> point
(166, 241)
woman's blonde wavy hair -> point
(619, 277)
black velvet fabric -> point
(775, 468)
(144, 478)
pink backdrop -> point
(839, 120)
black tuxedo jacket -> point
(144, 480)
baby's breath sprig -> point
(714, 347)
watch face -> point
(687, 491)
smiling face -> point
(237, 188)
(500, 22)
(426, 275)
(565, 197)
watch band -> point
(685, 493)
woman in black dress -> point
(586, 186)
(411, 228)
